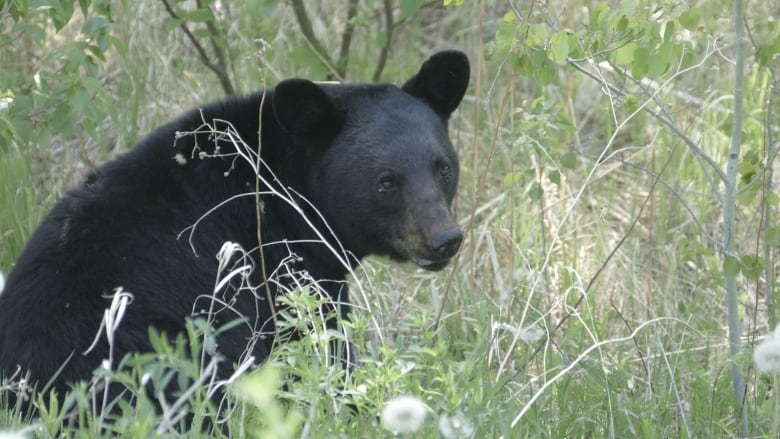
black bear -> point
(309, 177)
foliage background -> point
(591, 295)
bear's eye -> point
(386, 184)
(444, 170)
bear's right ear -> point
(441, 81)
(303, 109)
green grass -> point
(587, 300)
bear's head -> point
(379, 164)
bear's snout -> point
(446, 243)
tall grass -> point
(587, 298)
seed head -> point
(767, 353)
(455, 427)
(404, 415)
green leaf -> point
(748, 196)
(555, 177)
(34, 32)
(622, 24)
(537, 35)
(510, 179)
(766, 52)
(84, 5)
(669, 31)
(772, 236)
(505, 37)
(752, 265)
(93, 26)
(199, 16)
(559, 48)
(172, 24)
(690, 19)
(536, 192)
(662, 59)
(545, 74)
(569, 160)
(537, 57)
(202, 32)
(409, 7)
(624, 55)
(731, 266)
(597, 15)
(61, 14)
(521, 64)
(747, 170)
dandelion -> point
(404, 415)
(767, 353)
(455, 427)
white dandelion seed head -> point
(455, 427)
(767, 353)
(404, 415)
(530, 334)
(180, 159)
(5, 434)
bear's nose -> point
(446, 243)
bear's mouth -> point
(431, 265)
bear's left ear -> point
(441, 81)
(304, 110)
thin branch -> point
(389, 27)
(221, 73)
(346, 39)
(729, 211)
(308, 33)
(609, 257)
(665, 118)
(218, 40)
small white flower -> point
(767, 353)
(404, 415)
(455, 427)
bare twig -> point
(218, 44)
(346, 39)
(389, 25)
(308, 33)
(218, 68)
(609, 257)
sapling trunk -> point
(729, 209)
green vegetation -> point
(619, 192)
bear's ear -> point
(441, 81)
(303, 109)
